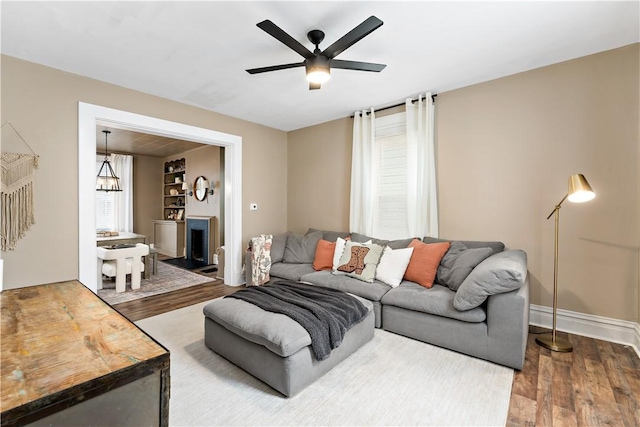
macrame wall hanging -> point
(16, 193)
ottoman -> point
(273, 347)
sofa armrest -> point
(508, 325)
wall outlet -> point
(253, 206)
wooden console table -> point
(68, 358)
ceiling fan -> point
(318, 63)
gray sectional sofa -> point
(495, 330)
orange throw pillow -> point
(424, 262)
(324, 255)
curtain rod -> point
(413, 101)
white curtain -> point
(422, 205)
(123, 200)
(362, 178)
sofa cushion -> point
(330, 236)
(458, 262)
(502, 272)
(279, 333)
(393, 265)
(425, 261)
(284, 270)
(360, 260)
(301, 249)
(437, 300)
(371, 291)
(471, 244)
(393, 244)
(278, 244)
(324, 255)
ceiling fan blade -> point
(278, 33)
(275, 68)
(369, 25)
(314, 86)
(355, 65)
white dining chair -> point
(120, 262)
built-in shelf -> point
(174, 204)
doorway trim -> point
(88, 116)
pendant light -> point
(107, 179)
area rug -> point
(392, 380)
(167, 279)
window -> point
(114, 209)
(390, 172)
(393, 181)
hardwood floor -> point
(598, 384)
(158, 304)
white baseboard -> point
(588, 325)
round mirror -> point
(200, 188)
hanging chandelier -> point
(107, 179)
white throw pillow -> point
(340, 244)
(392, 265)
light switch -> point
(253, 206)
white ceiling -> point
(197, 52)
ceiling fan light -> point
(318, 75)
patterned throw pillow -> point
(359, 260)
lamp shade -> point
(107, 183)
(579, 189)
(318, 75)
(185, 186)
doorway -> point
(88, 115)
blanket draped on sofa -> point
(327, 314)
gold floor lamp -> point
(579, 191)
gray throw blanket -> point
(327, 314)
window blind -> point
(390, 171)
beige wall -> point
(204, 161)
(147, 188)
(505, 150)
(319, 167)
(43, 104)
